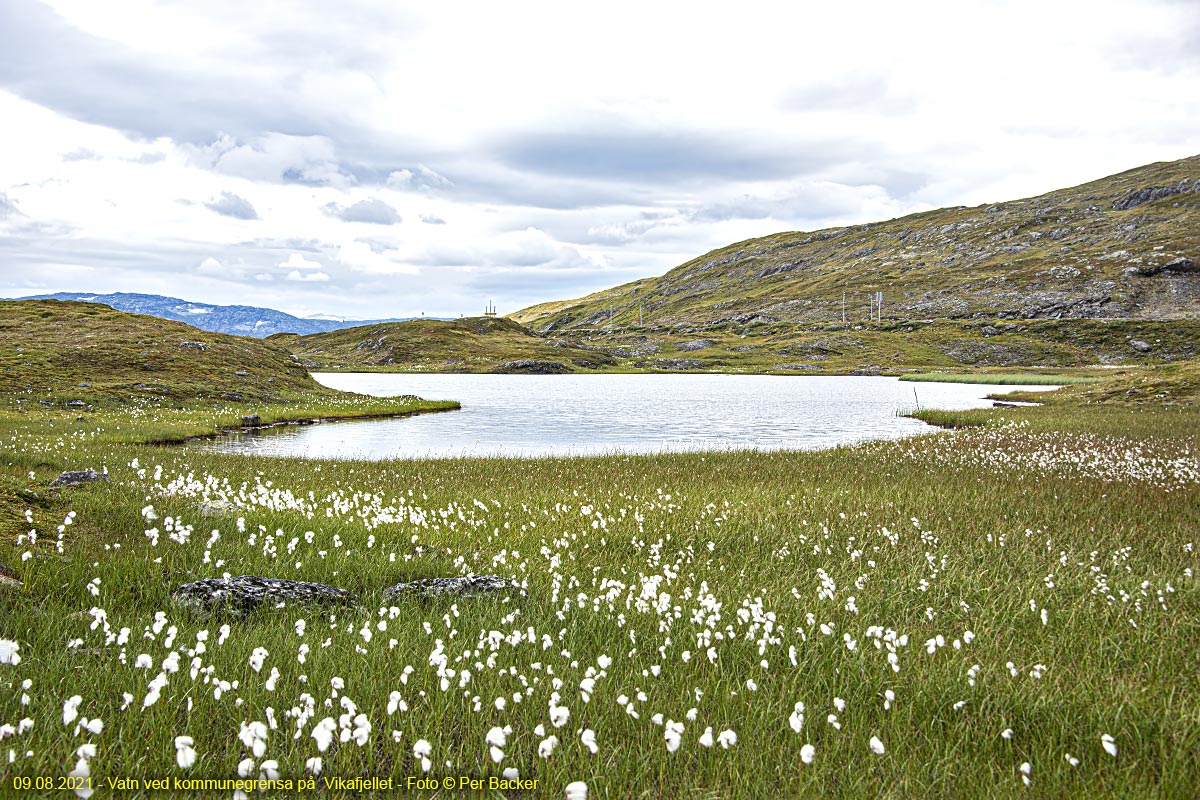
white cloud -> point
(298, 262)
(314, 277)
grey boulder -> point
(78, 477)
(245, 593)
(470, 586)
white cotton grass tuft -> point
(577, 790)
(726, 739)
(1109, 744)
(547, 745)
(185, 756)
(876, 746)
(796, 720)
(808, 753)
(8, 652)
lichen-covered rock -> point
(532, 367)
(471, 586)
(78, 477)
(245, 593)
(216, 508)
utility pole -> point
(879, 307)
(640, 309)
(843, 308)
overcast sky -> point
(374, 159)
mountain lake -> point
(581, 415)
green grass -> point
(1087, 508)
(1001, 379)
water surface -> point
(535, 415)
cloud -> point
(431, 219)
(8, 208)
(230, 205)
(372, 210)
(275, 157)
(672, 156)
(314, 277)
(871, 95)
(81, 154)
(363, 257)
(298, 262)
(422, 177)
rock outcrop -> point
(78, 477)
(243, 594)
(471, 586)
(531, 367)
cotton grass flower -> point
(1109, 744)
(576, 791)
(876, 746)
(727, 739)
(71, 709)
(796, 720)
(808, 753)
(547, 745)
(421, 749)
(8, 652)
(185, 756)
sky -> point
(375, 159)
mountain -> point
(1125, 246)
(236, 320)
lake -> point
(534, 415)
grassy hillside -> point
(474, 344)
(81, 358)
(1124, 246)
(817, 349)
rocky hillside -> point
(472, 344)
(61, 352)
(1125, 246)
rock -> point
(795, 367)
(235, 397)
(76, 404)
(472, 586)
(193, 345)
(216, 508)
(79, 477)
(1178, 265)
(1151, 193)
(7, 581)
(241, 373)
(245, 593)
(867, 370)
(251, 420)
(531, 367)
(698, 344)
(85, 386)
(988, 330)
(670, 363)
(1140, 346)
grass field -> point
(1008, 609)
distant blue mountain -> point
(237, 320)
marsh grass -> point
(1001, 378)
(637, 559)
